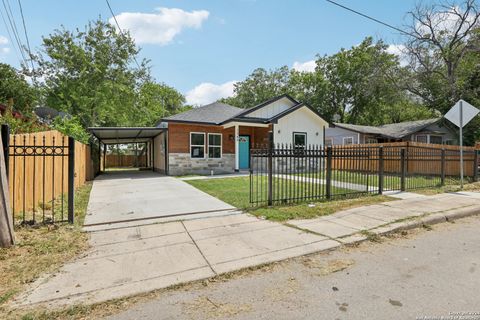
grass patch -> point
(473, 187)
(236, 191)
(40, 249)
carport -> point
(153, 140)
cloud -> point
(207, 92)
(4, 49)
(396, 49)
(307, 66)
(447, 21)
(160, 27)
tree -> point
(443, 50)
(259, 86)
(91, 74)
(15, 90)
(157, 101)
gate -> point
(41, 173)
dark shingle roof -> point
(393, 130)
(213, 113)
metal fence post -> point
(270, 168)
(328, 175)
(475, 166)
(442, 172)
(381, 169)
(71, 179)
(6, 146)
(403, 169)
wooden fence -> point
(125, 161)
(420, 158)
(40, 175)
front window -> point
(347, 141)
(329, 141)
(436, 139)
(214, 145)
(371, 140)
(422, 139)
(299, 140)
(197, 145)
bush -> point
(71, 127)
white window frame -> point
(331, 141)
(345, 138)
(215, 146)
(422, 135)
(197, 145)
(300, 134)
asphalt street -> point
(425, 274)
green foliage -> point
(157, 101)
(72, 127)
(15, 90)
(358, 84)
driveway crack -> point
(199, 250)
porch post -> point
(237, 149)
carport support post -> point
(380, 170)
(105, 146)
(99, 157)
(152, 148)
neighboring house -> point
(434, 131)
(217, 138)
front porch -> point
(246, 136)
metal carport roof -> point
(117, 135)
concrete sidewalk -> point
(131, 260)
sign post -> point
(461, 114)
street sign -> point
(469, 112)
(461, 114)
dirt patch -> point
(327, 267)
(207, 308)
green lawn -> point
(236, 191)
(390, 181)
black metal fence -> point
(285, 173)
(41, 173)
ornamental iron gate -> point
(41, 173)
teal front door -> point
(244, 152)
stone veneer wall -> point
(181, 164)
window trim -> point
(349, 137)
(329, 139)
(299, 133)
(215, 146)
(197, 145)
(427, 139)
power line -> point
(118, 26)
(26, 37)
(369, 17)
(14, 31)
(10, 36)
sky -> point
(202, 48)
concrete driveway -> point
(133, 196)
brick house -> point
(217, 138)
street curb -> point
(432, 219)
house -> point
(217, 138)
(433, 131)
